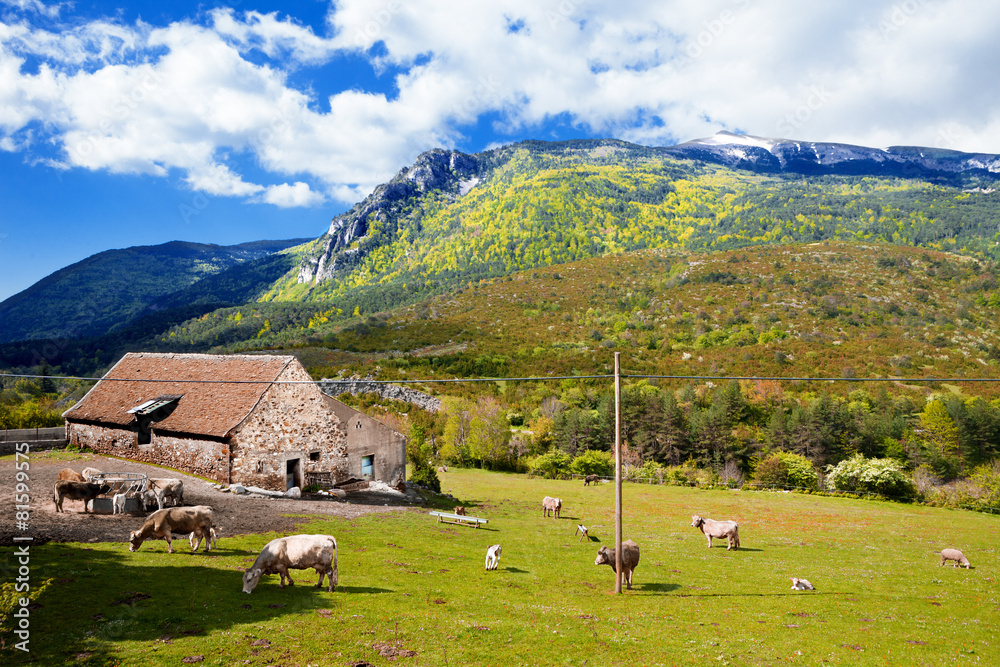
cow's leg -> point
(709, 541)
(195, 537)
(322, 573)
(170, 544)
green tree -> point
(938, 439)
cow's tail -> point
(737, 536)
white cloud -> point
(288, 196)
(217, 102)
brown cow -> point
(630, 559)
(70, 475)
(197, 520)
(596, 479)
(85, 491)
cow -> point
(596, 479)
(630, 559)
(198, 520)
(297, 552)
(85, 491)
(493, 557)
(954, 555)
(88, 473)
(171, 488)
(118, 503)
(460, 510)
(718, 530)
(801, 585)
(212, 537)
(70, 475)
(553, 505)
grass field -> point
(410, 584)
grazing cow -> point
(954, 555)
(84, 491)
(493, 557)
(718, 530)
(298, 552)
(118, 503)
(460, 510)
(442, 468)
(801, 585)
(172, 488)
(596, 479)
(70, 475)
(88, 473)
(197, 520)
(630, 559)
(553, 505)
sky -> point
(139, 123)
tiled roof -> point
(205, 408)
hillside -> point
(110, 289)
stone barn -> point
(374, 451)
(254, 419)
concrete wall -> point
(369, 437)
(291, 421)
(208, 458)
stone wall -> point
(394, 392)
(207, 458)
(291, 421)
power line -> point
(720, 378)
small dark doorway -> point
(293, 472)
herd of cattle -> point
(319, 552)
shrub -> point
(787, 469)
(426, 477)
(648, 470)
(593, 462)
(554, 464)
(861, 475)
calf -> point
(718, 530)
(553, 505)
(460, 510)
(596, 479)
(88, 473)
(70, 475)
(172, 488)
(493, 557)
(801, 585)
(954, 555)
(298, 552)
(84, 491)
(197, 520)
(118, 503)
(630, 559)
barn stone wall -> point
(291, 422)
(207, 458)
(369, 437)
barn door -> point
(368, 467)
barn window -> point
(357, 424)
(314, 456)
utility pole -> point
(618, 474)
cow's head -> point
(134, 541)
(604, 557)
(696, 521)
(250, 579)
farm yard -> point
(415, 592)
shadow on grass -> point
(89, 600)
(657, 588)
(515, 570)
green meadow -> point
(415, 592)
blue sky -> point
(141, 123)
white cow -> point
(197, 520)
(118, 503)
(167, 488)
(718, 529)
(801, 585)
(551, 505)
(297, 552)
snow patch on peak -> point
(725, 138)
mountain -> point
(453, 217)
(109, 290)
(815, 158)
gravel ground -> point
(235, 515)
